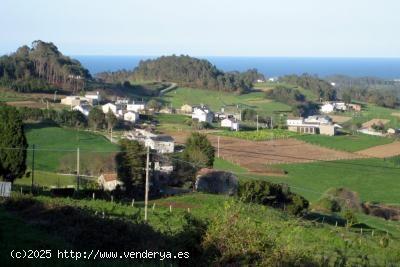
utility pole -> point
(218, 148)
(257, 122)
(111, 134)
(33, 166)
(272, 125)
(146, 192)
(55, 96)
(77, 169)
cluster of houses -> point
(329, 107)
(122, 108)
(317, 124)
(202, 113)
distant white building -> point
(83, 108)
(131, 116)
(230, 123)
(136, 106)
(294, 121)
(327, 108)
(161, 143)
(321, 119)
(109, 181)
(109, 106)
(202, 114)
(93, 97)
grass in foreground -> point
(350, 143)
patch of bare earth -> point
(382, 151)
(397, 114)
(369, 124)
(257, 156)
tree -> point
(111, 120)
(154, 104)
(13, 144)
(131, 162)
(96, 118)
(346, 97)
(199, 150)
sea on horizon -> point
(386, 68)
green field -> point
(265, 86)
(373, 179)
(349, 143)
(55, 144)
(261, 135)
(216, 100)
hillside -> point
(186, 71)
(41, 67)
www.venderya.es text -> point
(96, 254)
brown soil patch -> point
(397, 114)
(382, 151)
(339, 119)
(368, 124)
(256, 156)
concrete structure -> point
(187, 109)
(131, 116)
(312, 125)
(202, 114)
(230, 123)
(109, 181)
(294, 121)
(83, 108)
(161, 143)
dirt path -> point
(257, 157)
(383, 151)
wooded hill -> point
(186, 71)
(41, 67)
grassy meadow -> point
(216, 100)
(350, 143)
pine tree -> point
(13, 144)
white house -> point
(109, 181)
(327, 108)
(202, 114)
(83, 108)
(294, 121)
(340, 106)
(161, 143)
(233, 124)
(93, 97)
(131, 116)
(109, 106)
(136, 107)
(321, 119)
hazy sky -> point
(344, 28)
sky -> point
(279, 28)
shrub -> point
(298, 206)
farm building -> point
(312, 125)
(73, 100)
(321, 119)
(109, 106)
(203, 114)
(93, 97)
(109, 181)
(161, 143)
(230, 123)
(329, 107)
(131, 116)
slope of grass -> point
(55, 143)
(47, 179)
(349, 143)
(373, 179)
(216, 100)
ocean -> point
(387, 68)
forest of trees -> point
(323, 90)
(186, 71)
(41, 67)
(374, 90)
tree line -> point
(41, 67)
(187, 71)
